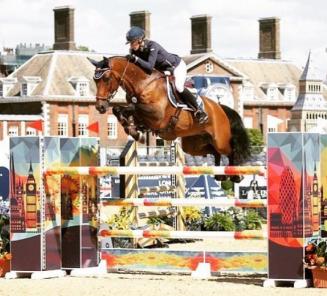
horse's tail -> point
(240, 140)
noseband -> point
(98, 74)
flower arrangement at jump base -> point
(315, 259)
(5, 256)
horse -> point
(148, 109)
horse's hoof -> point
(220, 178)
(142, 138)
(236, 179)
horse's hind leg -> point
(236, 178)
(217, 163)
(227, 150)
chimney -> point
(64, 28)
(201, 33)
(269, 38)
(141, 19)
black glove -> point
(131, 58)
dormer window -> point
(6, 84)
(24, 89)
(270, 90)
(248, 91)
(287, 90)
(83, 89)
(28, 84)
(81, 86)
(289, 93)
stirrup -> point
(201, 116)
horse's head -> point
(107, 84)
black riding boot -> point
(200, 115)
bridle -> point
(98, 74)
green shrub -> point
(252, 220)
(256, 140)
(234, 219)
(219, 222)
(228, 187)
(4, 234)
(237, 215)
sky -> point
(101, 25)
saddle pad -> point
(173, 101)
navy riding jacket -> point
(155, 56)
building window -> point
(30, 131)
(112, 127)
(13, 131)
(24, 89)
(289, 93)
(1, 90)
(83, 123)
(63, 125)
(272, 93)
(83, 89)
(209, 67)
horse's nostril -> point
(101, 109)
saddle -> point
(174, 97)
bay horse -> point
(149, 109)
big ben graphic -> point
(315, 203)
(31, 200)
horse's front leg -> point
(131, 129)
(126, 119)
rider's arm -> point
(149, 64)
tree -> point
(256, 140)
(83, 48)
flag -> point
(94, 127)
(38, 125)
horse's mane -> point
(155, 72)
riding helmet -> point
(134, 33)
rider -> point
(150, 55)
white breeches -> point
(180, 76)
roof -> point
(265, 71)
(310, 72)
(195, 59)
(311, 100)
(56, 69)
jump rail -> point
(169, 202)
(173, 170)
(246, 234)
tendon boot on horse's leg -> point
(200, 115)
(236, 178)
(217, 163)
(132, 130)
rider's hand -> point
(132, 58)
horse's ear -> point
(93, 62)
